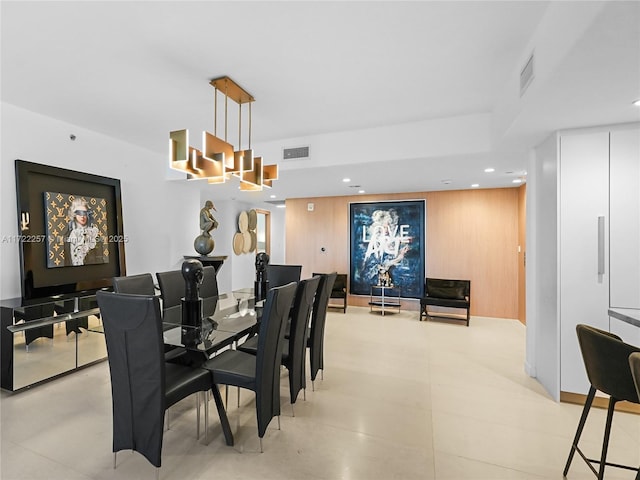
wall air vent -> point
(296, 152)
(526, 75)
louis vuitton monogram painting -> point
(76, 230)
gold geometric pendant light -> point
(218, 160)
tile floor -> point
(400, 399)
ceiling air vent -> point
(296, 152)
(526, 75)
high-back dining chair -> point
(606, 360)
(172, 290)
(143, 385)
(315, 341)
(634, 363)
(294, 348)
(135, 284)
(279, 275)
(261, 372)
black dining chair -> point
(315, 342)
(143, 385)
(634, 364)
(172, 290)
(135, 284)
(261, 372)
(606, 360)
(294, 348)
(279, 275)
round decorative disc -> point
(238, 243)
(253, 219)
(243, 222)
(246, 242)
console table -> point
(206, 260)
(47, 338)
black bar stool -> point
(606, 360)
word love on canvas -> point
(380, 230)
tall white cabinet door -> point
(624, 228)
(583, 220)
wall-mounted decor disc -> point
(238, 243)
(246, 242)
(254, 240)
(243, 222)
(253, 219)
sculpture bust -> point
(193, 273)
(262, 260)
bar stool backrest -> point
(606, 360)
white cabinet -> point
(625, 218)
(583, 207)
(583, 269)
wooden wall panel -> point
(522, 241)
(471, 234)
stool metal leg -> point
(583, 419)
(607, 434)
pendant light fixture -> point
(219, 160)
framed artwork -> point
(76, 230)
(387, 244)
(71, 231)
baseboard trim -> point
(600, 402)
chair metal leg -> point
(226, 396)
(583, 419)
(293, 411)
(607, 434)
(114, 459)
(313, 386)
(322, 374)
(261, 450)
(206, 417)
(304, 394)
(238, 397)
(197, 415)
(279, 423)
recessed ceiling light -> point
(346, 180)
(489, 170)
(272, 196)
(475, 185)
(637, 102)
(360, 191)
(281, 206)
(516, 180)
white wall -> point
(160, 216)
(543, 348)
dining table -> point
(234, 316)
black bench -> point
(446, 293)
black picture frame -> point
(37, 280)
(403, 225)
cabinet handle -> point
(601, 245)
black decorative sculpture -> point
(261, 285)
(193, 273)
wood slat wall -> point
(471, 234)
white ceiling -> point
(136, 70)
